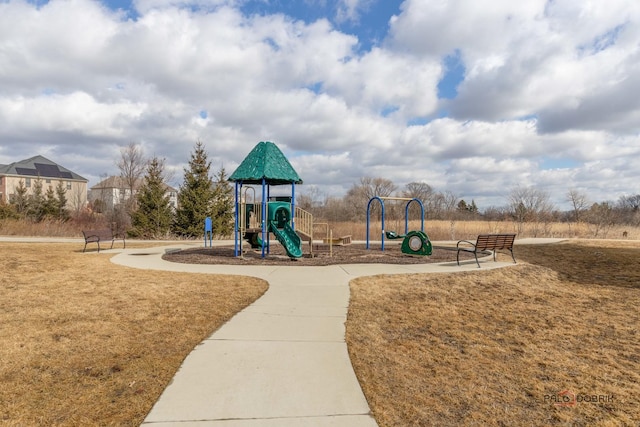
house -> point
(50, 173)
(114, 190)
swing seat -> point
(393, 235)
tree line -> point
(150, 215)
(523, 205)
(37, 205)
(143, 209)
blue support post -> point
(265, 235)
(369, 214)
(237, 220)
(406, 215)
(208, 231)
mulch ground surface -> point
(347, 254)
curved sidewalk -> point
(283, 360)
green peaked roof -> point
(266, 161)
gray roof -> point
(116, 182)
(39, 166)
(120, 183)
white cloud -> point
(349, 10)
(77, 112)
(572, 63)
(544, 81)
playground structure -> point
(279, 222)
(267, 166)
(414, 242)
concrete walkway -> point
(283, 360)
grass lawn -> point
(533, 344)
(87, 342)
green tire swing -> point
(417, 243)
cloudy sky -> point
(469, 96)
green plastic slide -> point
(288, 238)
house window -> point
(68, 185)
(48, 181)
(27, 182)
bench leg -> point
(474, 254)
(512, 256)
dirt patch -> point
(348, 254)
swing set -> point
(415, 242)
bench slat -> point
(488, 242)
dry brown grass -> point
(444, 230)
(87, 342)
(436, 229)
(496, 347)
(50, 227)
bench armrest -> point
(465, 241)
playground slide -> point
(288, 238)
(254, 238)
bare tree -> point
(359, 194)
(370, 187)
(579, 203)
(423, 192)
(132, 165)
(450, 209)
(310, 199)
(78, 199)
(336, 209)
(495, 216)
(531, 205)
(629, 209)
(418, 190)
(600, 218)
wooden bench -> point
(487, 242)
(103, 235)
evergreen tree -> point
(7, 210)
(20, 200)
(462, 206)
(222, 205)
(49, 206)
(473, 208)
(153, 216)
(195, 196)
(61, 201)
(36, 203)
